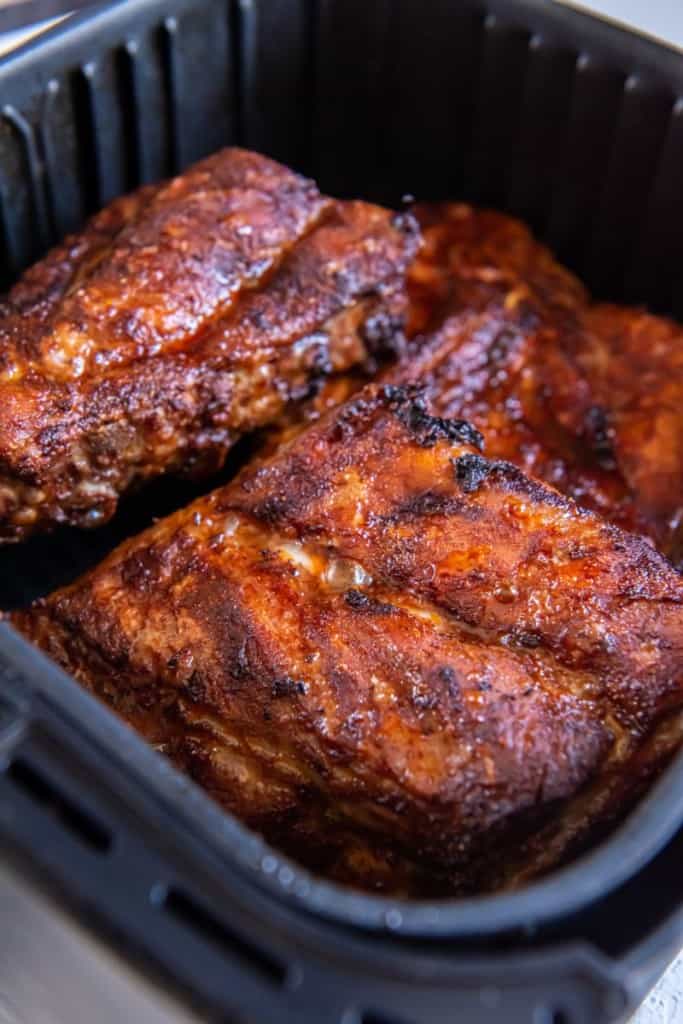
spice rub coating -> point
(182, 316)
(585, 396)
(413, 667)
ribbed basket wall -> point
(525, 107)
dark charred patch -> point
(471, 471)
(426, 503)
(427, 430)
(517, 482)
(361, 602)
(285, 686)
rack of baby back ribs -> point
(428, 640)
(340, 534)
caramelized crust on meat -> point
(585, 397)
(183, 315)
(411, 666)
(472, 259)
(634, 362)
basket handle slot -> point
(189, 913)
(41, 790)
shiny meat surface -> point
(411, 666)
(586, 397)
(634, 362)
(182, 316)
(473, 259)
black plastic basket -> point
(565, 121)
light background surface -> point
(660, 18)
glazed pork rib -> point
(587, 397)
(411, 666)
(182, 316)
(634, 362)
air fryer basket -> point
(567, 122)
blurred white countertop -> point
(662, 19)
